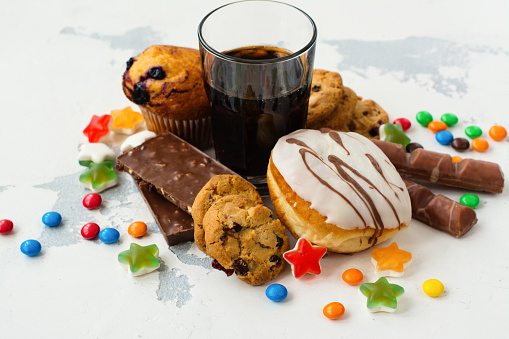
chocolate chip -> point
(280, 242)
(215, 264)
(276, 260)
(413, 146)
(240, 266)
(156, 73)
(140, 94)
(235, 228)
(365, 113)
(129, 63)
(374, 131)
(316, 88)
(381, 122)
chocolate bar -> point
(439, 168)
(175, 224)
(172, 166)
(440, 212)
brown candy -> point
(439, 168)
(440, 212)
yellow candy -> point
(125, 121)
(433, 287)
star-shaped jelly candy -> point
(305, 258)
(96, 152)
(390, 261)
(394, 133)
(382, 296)
(125, 121)
(99, 176)
(140, 260)
(135, 140)
(98, 128)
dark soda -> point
(254, 104)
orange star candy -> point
(390, 261)
(125, 121)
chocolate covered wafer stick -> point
(439, 168)
(440, 212)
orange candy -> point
(497, 133)
(137, 229)
(437, 126)
(334, 310)
(480, 144)
(456, 159)
(352, 276)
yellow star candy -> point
(390, 261)
(125, 121)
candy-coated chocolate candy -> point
(444, 137)
(480, 144)
(381, 295)
(137, 229)
(125, 121)
(92, 200)
(433, 287)
(413, 146)
(390, 261)
(51, 219)
(456, 159)
(98, 128)
(135, 140)
(497, 132)
(473, 132)
(393, 133)
(352, 276)
(30, 247)
(305, 258)
(99, 176)
(276, 292)
(334, 310)
(140, 260)
(424, 118)
(449, 119)
(404, 122)
(437, 126)
(109, 235)
(470, 200)
(90, 230)
(460, 144)
(6, 226)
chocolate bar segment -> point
(439, 168)
(172, 166)
(175, 224)
(440, 212)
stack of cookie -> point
(232, 226)
(333, 105)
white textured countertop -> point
(62, 61)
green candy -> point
(424, 118)
(473, 132)
(449, 119)
(470, 200)
(394, 134)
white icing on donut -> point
(337, 173)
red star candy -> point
(305, 258)
(98, 127)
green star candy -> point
(394, 134)
(382, 295)
(140, 260)
(99, 175)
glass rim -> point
(247, 61)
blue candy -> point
(276, 292)
(444, 137)
(51, 219)
(109, 235)
(30, 247)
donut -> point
(336, 189)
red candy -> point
(98, 128)
(305, 258)
(90, 230)
(404, 122)
(92, 200)
(6, 226)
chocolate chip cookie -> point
(343, 112)
(367, 118)
(216, 188)
(241, 235)
(326, 93)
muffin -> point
(336, 189)
(166, 82)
